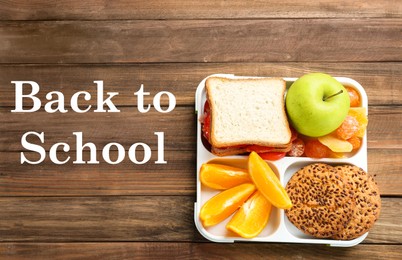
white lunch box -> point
(279, 228)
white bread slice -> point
(247, 111)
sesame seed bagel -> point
(322, 201)
(368, 202)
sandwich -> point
(244, 115)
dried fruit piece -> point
(297, 148)
(335, 144)
(221, 206)
(361, 116)
(267, 182)
(354, 97)
(348, 128)
(221, 177)
(337, 155)
(355, 141)
(315, 149)
(252, 217)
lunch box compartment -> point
(207, 193)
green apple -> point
(317, 104)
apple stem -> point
(333, 95)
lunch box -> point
(279, 229)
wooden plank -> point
(383, 127)
(385, 166)
(381, 80)
(132, 218)
(177, 177)
(201, 41)
(179, 127)
(138, 218)
(174, 9)
(174, 250)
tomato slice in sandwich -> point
(259, 149)
(272, 156)
(206, 126)
(266, 152)
(207, 109)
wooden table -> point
(146, 211)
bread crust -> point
(211, 99)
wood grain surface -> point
(132, 211)
(143, 41)
(193, 9)
(132, 218)
(185, 250)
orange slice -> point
(252, 217)
(222, 177)
(267, 182)
(221, 206)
